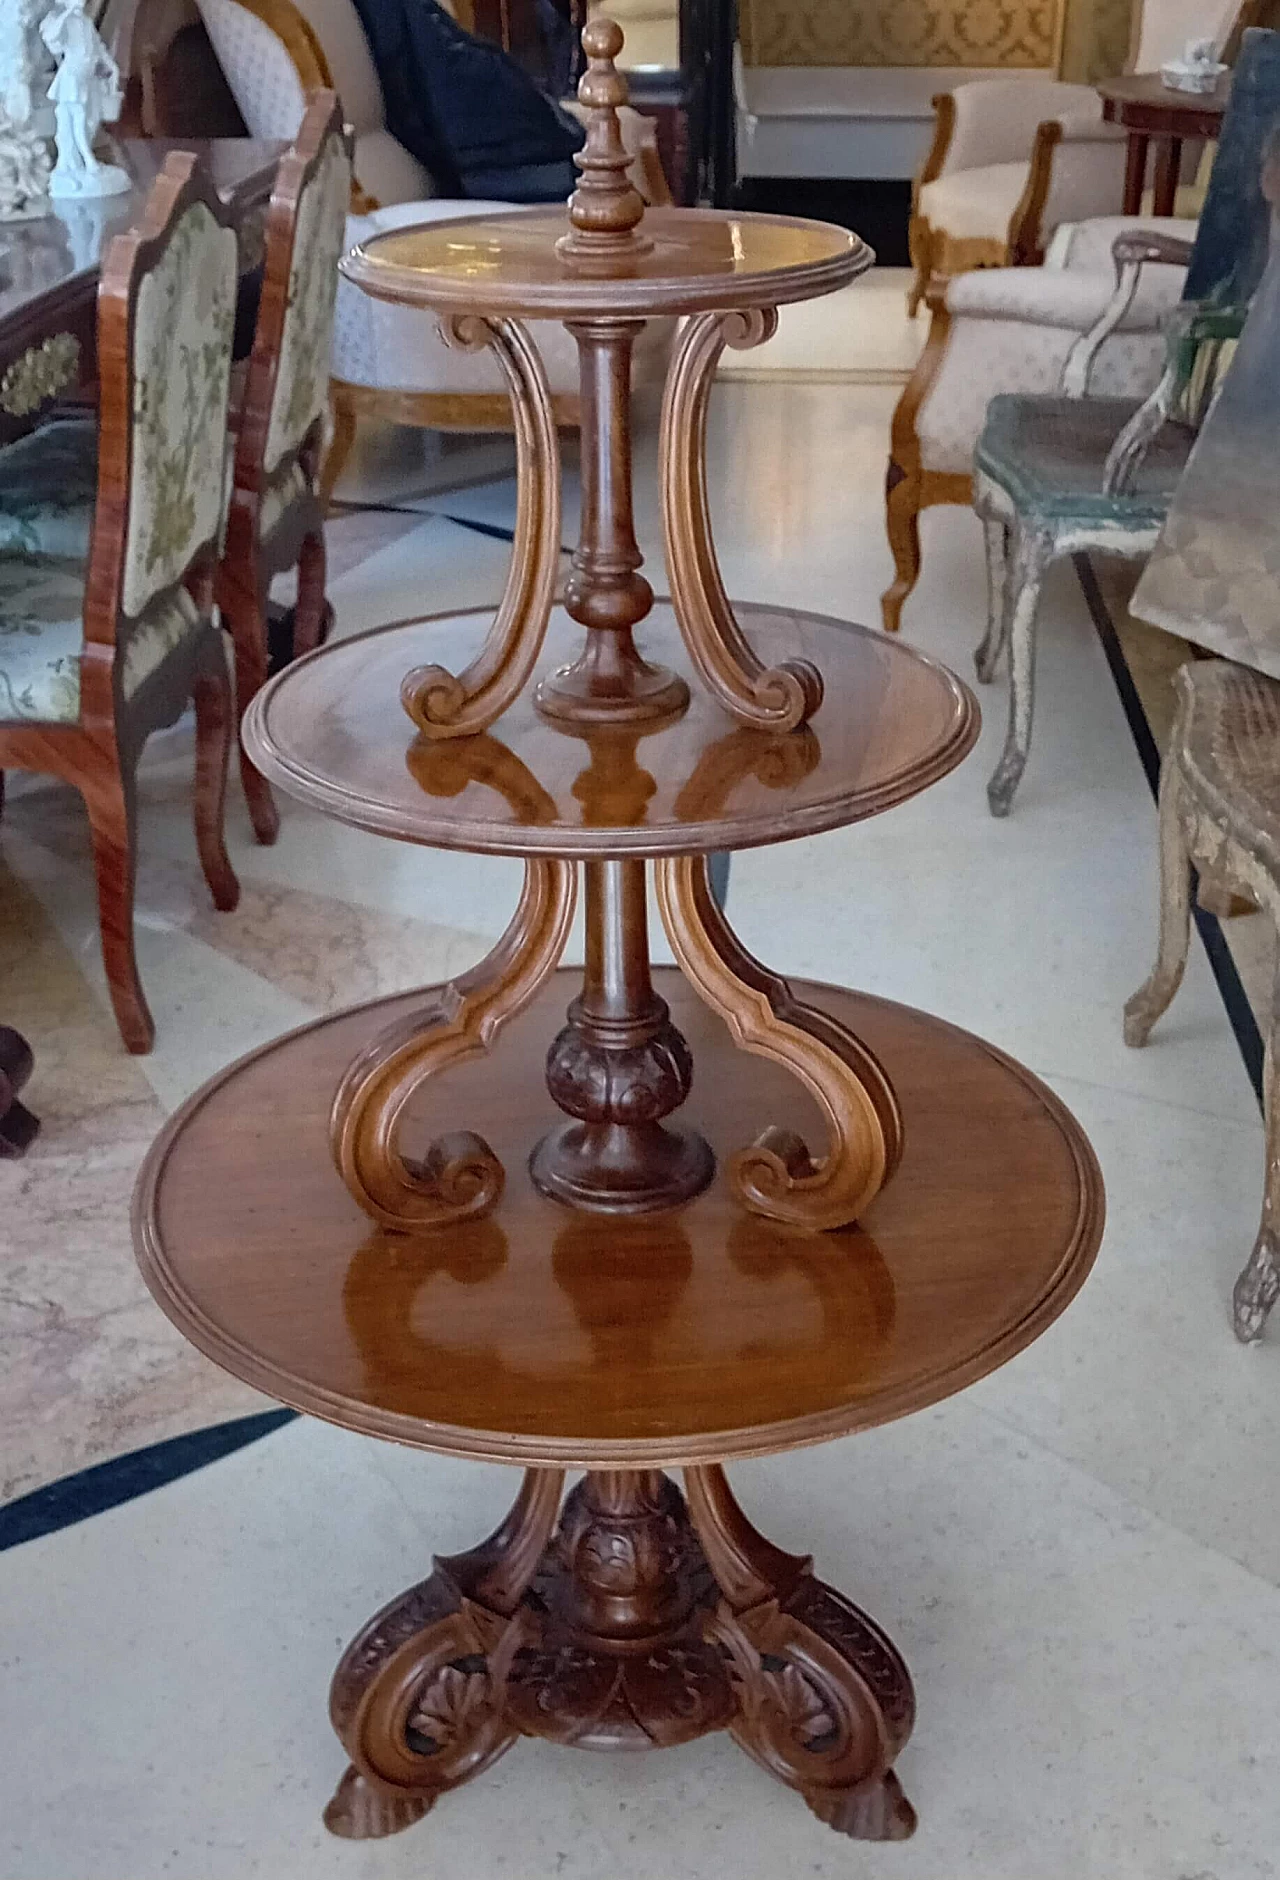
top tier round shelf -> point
(330, 731)
(699, 260)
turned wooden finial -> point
(604, 209)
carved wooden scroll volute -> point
(776, 1175)
(440, 703)
(775, 698)
(459, 1177)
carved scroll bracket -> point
(440, 703)
(459, 1177)
(777, 1176)
(775, 698)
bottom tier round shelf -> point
(550, 1338)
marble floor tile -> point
(1096, 1692)
(1079, 1558)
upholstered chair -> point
(1219, 802)
(390, 363)
(106, 606)
(1014, 158)
(276, 518)
(1011, 330)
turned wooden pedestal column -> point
(686, 1213)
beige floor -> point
(1080, 1556)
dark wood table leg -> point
(1168, 166)
(18, 1127)
(1135, 172)
(639, 1620)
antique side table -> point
(631, 1218)
(1148, 108)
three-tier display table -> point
(633, 1217)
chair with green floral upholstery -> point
(1061, 474)
(106, 608)
(276, 521)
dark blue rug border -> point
(106, 1485)
(1239, 1012)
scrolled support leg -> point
(1156, 993)
(441, 704)
(419, 1698)
(987, 657)
(1258, 1287)
(777, 1176)
(459, 1177)
(825, 1701)
(1031, 557)
(776, 698)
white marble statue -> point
(85, 92)
(25, 157)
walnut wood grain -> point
(619, 1068)
(701, 260)
(609, 683)
(614, 1631)
(539, 1335)
(329, 731)
(776, 1175)
(458, 1177)
(777, 698)
(440, 705)
(604, 210)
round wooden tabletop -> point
(330, 730)
(548, 1337)
(697, 260)
(1141, 101)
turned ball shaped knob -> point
(602, 38)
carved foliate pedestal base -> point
(641, 1620)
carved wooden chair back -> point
(166, 313)
(277, 518)
(286, 387)
(97, 653)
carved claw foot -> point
(1256, 1290)
(641, 1619)
(359, 1812)
(873, 1811)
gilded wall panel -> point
(902, 32)
(1095, 38)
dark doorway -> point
(878, 211)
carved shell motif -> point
(447, 1708)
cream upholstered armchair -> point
(389, 362)
(1015, 158)
(1010, 330)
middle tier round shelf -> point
(331, 731)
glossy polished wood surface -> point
(330, 730)
(541, 1336)
(697, 260)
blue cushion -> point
(42, 636)
(1049, 453)
(464, 107)
(48, 482)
